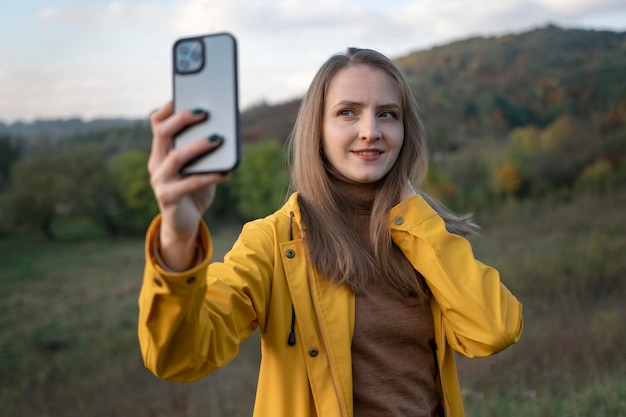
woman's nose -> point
(369, 129)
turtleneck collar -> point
(356, 195)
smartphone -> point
(205, 77)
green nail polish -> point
(214, 137)
(197, 111)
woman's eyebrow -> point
(348, 103)
(351, 103)
(393, 106)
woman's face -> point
(362, 126)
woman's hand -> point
(182, 199)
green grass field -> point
(68, 312)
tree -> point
(439, 183)
(73, 183)
(90, 190)
(9, 153)
(135, 203)
(38, 192)
(507, 180)
(261, 181)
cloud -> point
(580, 7)
(82, 15)
(437, 22)
(286, 17)
(48, 92)
(447, 20)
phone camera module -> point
(189, 56)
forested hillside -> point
(487, 86)
(521, 115)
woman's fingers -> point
(165, 125)
(176, 158)
(173, 191)
(170, 126)
(161, 113)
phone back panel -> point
(212, 88)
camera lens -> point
(195, 55)
(183, 64)
(183, 49)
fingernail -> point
(214, 137)
(199, 111)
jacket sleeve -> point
(192, 323)
(480, 315)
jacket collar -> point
(291, 210)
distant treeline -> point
(537, 114)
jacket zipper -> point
(332, 374)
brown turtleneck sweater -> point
(394, 369)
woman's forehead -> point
(363, 84)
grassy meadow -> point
(68, 312)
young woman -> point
(362, 288)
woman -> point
(361, 287)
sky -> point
(112, 58)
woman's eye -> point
(346, 113)
(388, 114)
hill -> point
(59, 128)
(491, 85)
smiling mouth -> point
(368, 153)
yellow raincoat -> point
(192, 323)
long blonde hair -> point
(332, 244)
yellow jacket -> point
(190, 325)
